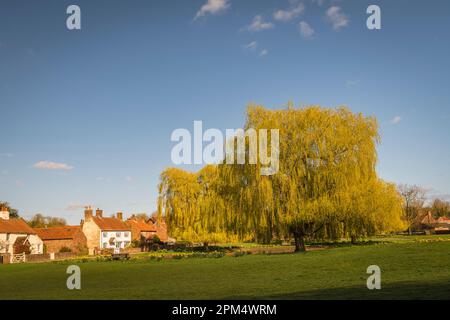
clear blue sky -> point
(102, 102)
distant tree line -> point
(41, 221)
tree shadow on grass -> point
(338, 244)
(392, 291)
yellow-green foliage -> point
(326, 186)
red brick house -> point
(145, 230)
(161, 228)
(435, 226)
(62, 238)
(140, 229)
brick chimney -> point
(4, 213)
(88, 213)
(99, 213)
(119, 215)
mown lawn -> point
(410, 270)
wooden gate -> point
(18, 258)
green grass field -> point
(413, 269)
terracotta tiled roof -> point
(18, 226)
(443, 220)
(57, 233)
(428, 219)
(111, 224)
(141, 225)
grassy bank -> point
(413, 269)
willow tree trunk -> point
(299, 239)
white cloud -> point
(49, 165)
(258, 24)
(251, 46)
(396, 120)
(287, 15)
(212, 7)
(306, 30)
(337, 18)
(264, 52)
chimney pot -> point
(119, 215)
(99, 213)
(88, 213)
(4, 213)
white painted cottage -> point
(16, 236)
(105, 233)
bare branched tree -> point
(414, 199)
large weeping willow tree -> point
(192, 208)
(326, 186)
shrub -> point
(237, 254)
(65, 249)
(156, 239)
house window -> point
(105, 244)
(118, 244)
(126, 243)
(105, 234)
(125, 234)
(118, 234)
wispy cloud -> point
(351, 83)
(258, 24)
(19, 183)
(76, 206)
(212, 7)
(319, 2)
(128, 179)
(49, 165)
(337, 18)
(264, 52)
(306, 30)
(251, 46)
(287, 15)
(395, 120)
(6, 155)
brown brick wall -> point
(78, 244)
